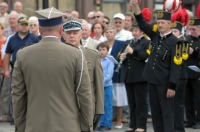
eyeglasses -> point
(105, 22)
(96, 17)
(33, 25)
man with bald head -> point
(4, 14)
(86, 40)
(18, 7)
(75, 14)
(13, 18)
(90, 17)
(98, 16)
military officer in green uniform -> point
(162, 69)
(72, 34)
(50, 86)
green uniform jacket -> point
(96, 79)
(44, 85)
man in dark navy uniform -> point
(192, 98)
(163, 68)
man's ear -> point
(40, 30)
(61, 29)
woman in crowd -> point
(135, 56)
(98, 30)
(119, 91)
(34, 26)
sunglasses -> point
(33, 25)
(96, 17)
(105, 22)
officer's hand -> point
(191, 51)
(122, 56)
(7, 74)
(170, 93)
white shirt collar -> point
(165, 34)
(139, 38)
(50, 36)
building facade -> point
(109, 7)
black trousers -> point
(162, 109)
(192, 101)
(137, 99)
(179, 105)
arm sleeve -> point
(84, 95)
(109, 73)
(175, 71)
(99, 86)
(144, 26)
(19, 96)
(8, 47)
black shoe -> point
(196, 126)
(104, 128)
(12, 123)
(99, 128)
(189, 125)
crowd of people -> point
(60, 72)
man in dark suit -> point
(192, 104)
(163, 68)
(51, 88)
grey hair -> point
(33, 18)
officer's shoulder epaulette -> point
(95, 50)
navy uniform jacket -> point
(160, 69)
(193, 59)
(184, 74)
(115, 52)
(134, 64)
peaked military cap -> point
(23, 20)
(72, 24)
(163, 15)
(49, 17)
(194, 22)
(177, 25)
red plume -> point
(147, 14)
(181, 16)
(198, 11)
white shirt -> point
(102, 39)
(123, 35)
(85, 42)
